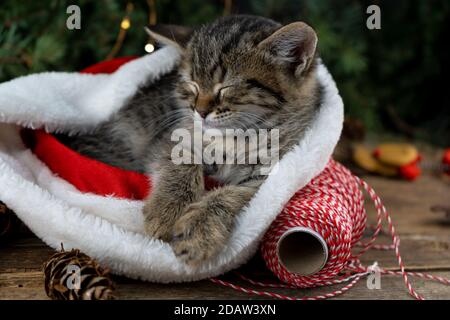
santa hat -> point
(47, 186)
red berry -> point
(419, 158)
(446, 161)
(376, 153)
(446, 158)
(410, 171)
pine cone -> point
(10, 224)
(5, 220)
(72, 275)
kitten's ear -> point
(170, 35)
(294, 45)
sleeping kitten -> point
(238, 72)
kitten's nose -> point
(203, 114)
(204, 104)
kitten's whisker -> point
(167, 116)
(252, 115)
(252, 118)
(167, 123)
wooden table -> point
(425, 246)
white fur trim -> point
(74, 102)
(110, 229)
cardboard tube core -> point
(302, 251)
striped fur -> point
(239, 72)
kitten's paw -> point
(198, 235)
(155, 229)
(155, 226)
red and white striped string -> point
(332, 205)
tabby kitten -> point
(238, 72)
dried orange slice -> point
(386, 170)
(396, 154)
(363, 157)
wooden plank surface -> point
(425, 245)
(29, 285)
(21, 276)
(410, 203)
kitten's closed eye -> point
(202, 100)
(220, 91)
(194, 89)
(193, 86)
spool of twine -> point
(316, 239)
